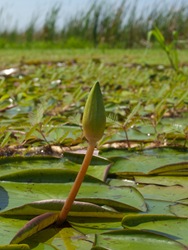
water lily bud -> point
(94, 119)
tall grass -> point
(103, 25)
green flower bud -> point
(94, 119)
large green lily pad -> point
(133, 239)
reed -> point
(102, 25)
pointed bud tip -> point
(94, 118)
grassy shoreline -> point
(11, 57)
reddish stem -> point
(76, 186)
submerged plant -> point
(94, 121)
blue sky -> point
(19, 13)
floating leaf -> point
(15, 247)
(99, 166)
(180, 210)
(159, 206)
(33, 226)
(36, 116)
(78, 158)
(163, 180)
(60, 238)
(78, 209)
(46, 176)
(173, 169)
(135, 220)
(57, 237)
(127, 198)
(173, 193)
(9, 227)
(133, 239)
(170, 226)
(153, 161)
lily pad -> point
(78, 209)
(133, 239)
(49, 238)
(98, 167)
(170, 226)
(179, 210)
(172, 193)
(127, 198)
(163, 180)
(153, 161)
